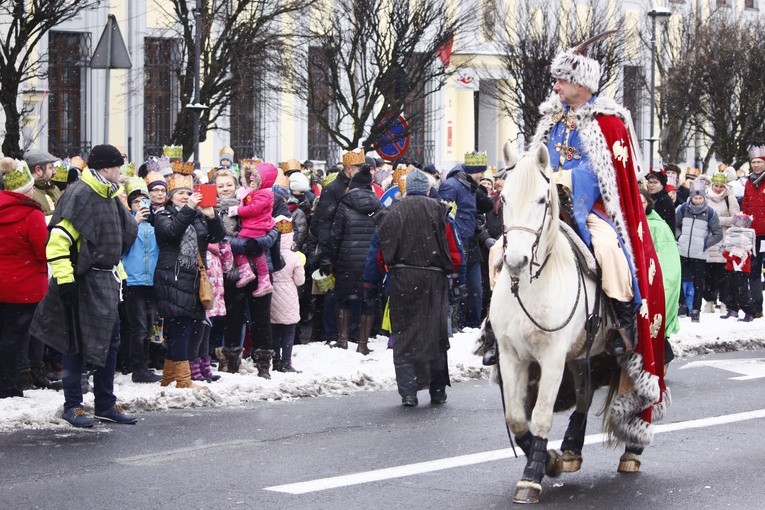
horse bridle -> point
(534, 247)
(515, 280)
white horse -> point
(539, 308)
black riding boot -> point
(621, 339)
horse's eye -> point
(542, 200)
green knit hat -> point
(16, 175)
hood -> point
(362, 200)
(15, 206)
(285, 241)
(268, 174)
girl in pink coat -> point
(285, 303)
(254, 210)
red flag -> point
(444, 52)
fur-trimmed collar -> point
(596, 147)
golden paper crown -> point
(177, 181)
(61, 173)
(284, 226)
(182, 168)
(16, 175)
(252, 162)
(476, 159)
(292, 164)
(226, 150)
(353, 158)
(399, 177)
(78, 163)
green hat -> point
(16, 175)
(135, 186)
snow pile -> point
(335, 372)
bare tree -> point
(532, 36)
(376, 59)
(242, 40)
(22, 25)
(711, 86)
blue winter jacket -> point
(141, 259)
(460, 188)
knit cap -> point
(417, 182)
(105, 156)
(16, 175)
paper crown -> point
(136, 184)
(182, 168)
(476, 159)
(128, 169)
(354, 157)
(692, 173)
(173, 151)
(179, 181)
(698, 186)
(16, 175)
(757, 152)
(61, 172)
(252, 162)
(283, 224)
(78, 163)
(154, 178)
(291, 165)
(720, 178)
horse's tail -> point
(614, 379)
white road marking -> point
(750, 368)
(477, 458)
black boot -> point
(621, 339)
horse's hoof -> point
(572, 461)
(527, 492)
(629, 463)
(554, 464)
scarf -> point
(698, 209)
(189, 248)
(113, 187)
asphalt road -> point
(390, 457)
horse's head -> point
(530, 212)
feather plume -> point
(583, 47)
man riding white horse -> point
(592, 155)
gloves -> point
(457, 293)
(489, 242)
(68, 293)
(233, 210)
(325, 267)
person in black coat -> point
(663, 204)
(352, 228)
(183, 232)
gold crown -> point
(353, 158)
(399, 176)
(476, 159)
(61, 173)
(182, 168)
(284, 226)
(226, 150)
(283, 166)
(176, 181)
(292, 164)
(16, 175)
(252, 162)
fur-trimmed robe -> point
(607, 142)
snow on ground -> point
(335, 372)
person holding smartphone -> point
(139, 263)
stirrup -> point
(618, 342)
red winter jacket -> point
(753, 204)
(23, 266)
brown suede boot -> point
(183, 377)
(365, 328)
(168, 373)
(343, 324)
(262, 359)
(222, 360)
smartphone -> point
(146, 203)
(209, 194)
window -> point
(489, 19)
(247, 116)
(749, 4)
(634, 96)
(67, 85)
(160, 97)
(319, 97)
(421, 143)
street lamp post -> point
(195, 107)
(660, 13)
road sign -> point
(753, 368)
(111, 52)
(389, 196)
(394, 142)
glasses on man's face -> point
(158, 190)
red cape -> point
(647, 268)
